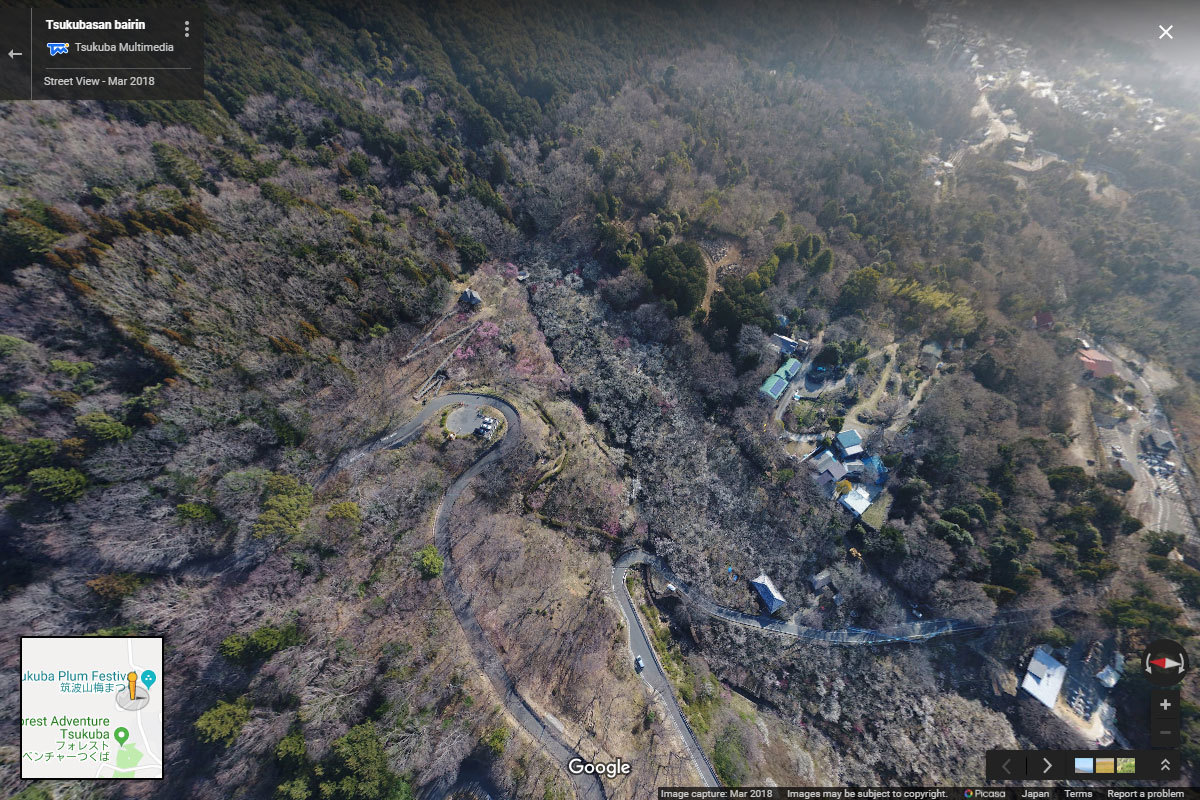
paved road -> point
(587, 787)
(654, 676)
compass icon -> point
(1164, 662)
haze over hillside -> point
(745, 394)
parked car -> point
(638, 663)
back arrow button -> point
(11, 54)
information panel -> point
(102, 54)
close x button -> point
(1005, 765)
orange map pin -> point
(133, 686)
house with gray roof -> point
(828, 469)
(771, 597)
(470, 298)
(785, 344)
(1162, 441)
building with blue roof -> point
(849, 443)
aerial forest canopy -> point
(750, 289)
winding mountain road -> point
(555, 744)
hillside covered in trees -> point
(205, 306)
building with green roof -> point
(773, 387)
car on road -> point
(638, 664)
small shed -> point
(1042, 321)
(821, 580)
(1108, 677)
(470, 298)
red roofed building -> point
(1095, 362)
(1042, 321)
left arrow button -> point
(11, 54)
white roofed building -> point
(1045, 676)
(856, 501)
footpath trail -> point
(907, 632)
